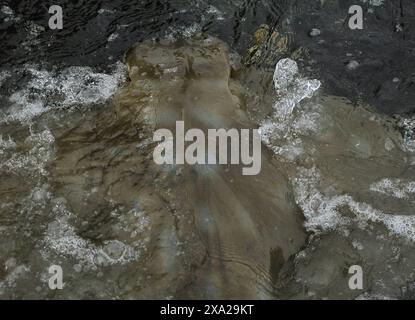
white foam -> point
(371, 296)
(408, 127)
(6, 144)
(46, 90)
(7, 10)
(174, 33)
(216, 12)
(10, 14)
(285, 73)
(375, 3)
(291, 87)
(33, 29)
(112, 37)
(3, 76)
(395, 187)
(61, 238)
(34, 160)
(320, 211)
(323, 213)
(290, 151)
(105, 11)
(285, 123)
(12, 277)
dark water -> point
(98, 32)
(88, 25)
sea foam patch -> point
(374, 3)
(285, 123)
(395, 187)
(62, 238)
(73, 86)
(323, 213)
(32, 161)
(407, 126)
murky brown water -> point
(80, 189)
